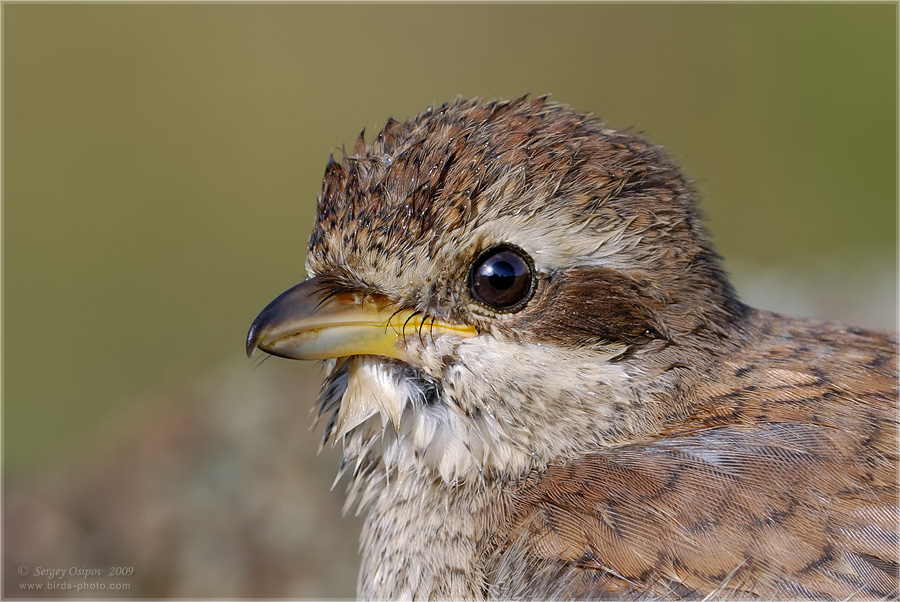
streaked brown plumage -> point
(546, 388)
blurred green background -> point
(161, 164)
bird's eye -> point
(502, 278)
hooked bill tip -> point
(252, 338)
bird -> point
(543, 385)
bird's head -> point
(499, 286)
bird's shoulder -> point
(781, 483)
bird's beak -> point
(310, 322)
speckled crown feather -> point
(448, 171)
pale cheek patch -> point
(516, 386)
(490, 414)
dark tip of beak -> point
(297, 300)
(262, 321)
(253, 336)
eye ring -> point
(502, 278)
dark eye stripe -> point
(502, 278)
